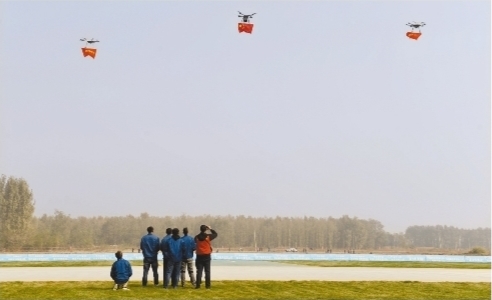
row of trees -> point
(62, 231)
(20, 230)
(445, 237)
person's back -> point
(187, 262)
(190, 246)
(150, 245)
(203, 242)
(150, 248)
(121, 271)
(175, 248)
(204, 254)
(163, 242)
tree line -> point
(62, 231)
(20, 230)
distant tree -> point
(16, 212)
(477, 250)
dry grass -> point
(251, 290)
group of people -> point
(178, 252)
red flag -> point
(414, 35)
(245, 27)
(89, 52)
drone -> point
(245, 17)
(91, 41)
(416, 25)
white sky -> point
(326, 109)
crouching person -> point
(121, 271)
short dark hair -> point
(203, 228)
(175, 231)
(169, 231)
(185, 230)
(150, 229)
(118, 254)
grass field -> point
(251, 290)
(391, 264)
(374, 264)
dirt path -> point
(259, 271)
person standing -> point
(165, 255)
(204, 254)
(121, 271)
(150, 248)
(174, 247)
(189, 244)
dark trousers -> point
(150, 262)
(173, 270)
(165, 261)
(202, 263)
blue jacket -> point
(174, 246)
(163, 241)
(150, 246)
(121, 271)
(190, 246)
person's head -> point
(118, 254)
(203, 228)
(175, 231)
(185, 231)
(150, 229)
(169, 231)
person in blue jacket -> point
(164, 254)
(150, 248)
(187, 262)
(175, 248)
(121, 271)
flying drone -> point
(91, 41)
(415, 35)
(89, 51)
(245, 25)
(416, 25)
(245, 17)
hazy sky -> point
(326, 109)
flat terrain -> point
(252, 290)
(261, 270)
(363, 264)
(390, 264)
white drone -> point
(416, 25)
(91, 41)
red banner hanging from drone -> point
(245, 27)
(89, 52)
(414, 35)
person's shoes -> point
(197, 287)
(125, 289)
(115, 287)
